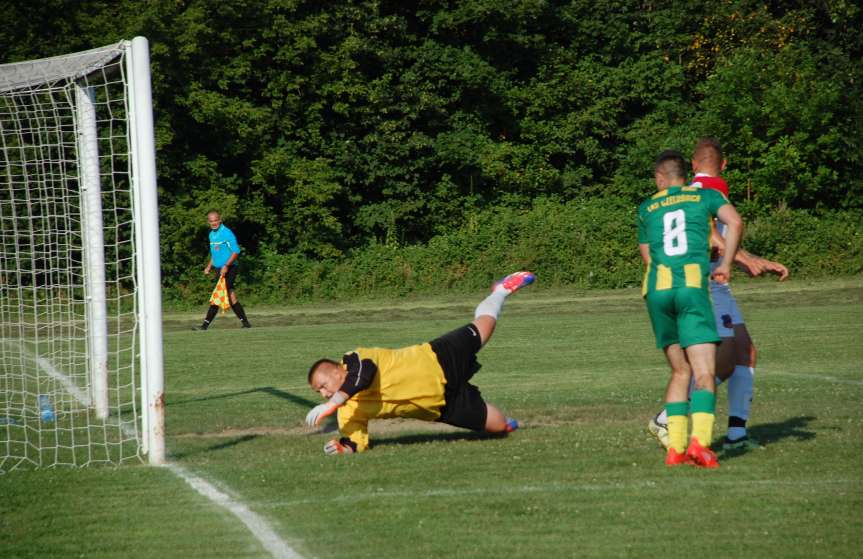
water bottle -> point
(46, 410)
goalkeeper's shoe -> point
(511, 425)
(514, 282)
(743, 443)
(701, 456)
(674, 458)
(659, 431)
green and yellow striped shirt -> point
(675, 223)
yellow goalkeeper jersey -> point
(409, 383)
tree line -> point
(320, 128)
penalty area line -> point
(259, 527)
(255, 523)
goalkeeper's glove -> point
(321, 411)
(341, 446)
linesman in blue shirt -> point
(224, 252)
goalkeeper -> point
(429, 381)
(224, 252)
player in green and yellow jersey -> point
(674, 228)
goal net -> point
(80, 309)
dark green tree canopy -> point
(321, 126)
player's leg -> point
(676, 404)
(238, 309)
(740, 390)
(698, 337)
(724, 313)
(497, 422)
(661, 310)
(740, 366)
(466, 408)
(725, 362)
(456, 353)
(485, 325)
(726, 357)
(702, 404)
(230, 278)
(211, 312)
(464, 405)
(487, 312)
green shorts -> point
(683, 315)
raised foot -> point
(516, 281)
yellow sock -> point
(678, 427)
(702, 406)
(678, 424)
(702, 427)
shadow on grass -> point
(795, 427)
(293, 398)
(436, 437)
(214, 447)
(769, 433)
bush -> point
(810, 245)
(583, 244)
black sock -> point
(238, 310)
(211, 314)
(734, 421)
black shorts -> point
(230, 276)
(456, 353)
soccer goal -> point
(80, 299)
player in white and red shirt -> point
(713, 183)
(735, 356)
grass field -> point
(581, 478)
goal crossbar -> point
(47, 71)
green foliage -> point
(585, 244)
(829, 244)
(326, 128)
(786, 126)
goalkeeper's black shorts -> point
(456, 353)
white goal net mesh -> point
(64, 133)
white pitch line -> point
(552, 488)
(73, 389)
(53, 372)
(256, 524)
(825, 378)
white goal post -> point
(81, 368)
